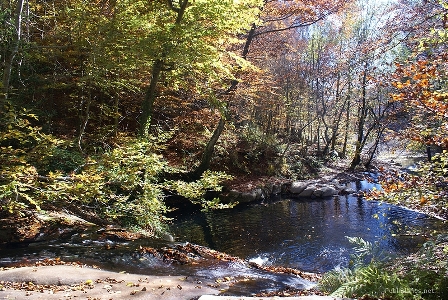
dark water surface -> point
(309, 235)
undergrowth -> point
(373, 275)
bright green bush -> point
(420, 276)
(195, 191)
(121, 186)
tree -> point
(198, 27)
(420, 98)
(11, 36)
(421, 91)
(372, 106)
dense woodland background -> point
(108, 105)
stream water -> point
(309, 235)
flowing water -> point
(309, 235)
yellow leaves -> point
(424, 83)
(374, 194)
(54, 175)
(421, 88)
(402, 85)
(195, 191)
(397, 97)
(89, 282)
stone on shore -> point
(298, 187)
(310, 189)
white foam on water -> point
(259, 260)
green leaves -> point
(120, 185)
(195, 191)
(420, 276)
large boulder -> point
(325, 191)
(312, 189)
(308, 192)
(298, 187)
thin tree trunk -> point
(157, 68)
(207, 155)
(84, 120)
(150, 98)
(13, 51)
(347, 120)
(116, 114)
(208, 151)
(336, 128)
(375, 147)
(360, 141)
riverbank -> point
(55, 278)
(35, 225)
(80, 282)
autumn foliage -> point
(167, 88)
(421, 89)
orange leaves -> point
(423, 200)
(421, 88)
(397, 97)
(402, 85)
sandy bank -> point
(72, 282)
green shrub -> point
(420, 276)
(195, 191)
(122, 185)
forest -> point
(107, 106)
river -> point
(309, 235)
(306, 234)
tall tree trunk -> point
(150, 98)
(207, 155)
(375, 147)
(9, 60)
(84, 119)
(157, 68)
(116, 113)
(360, 141)
(347, 118)
(336, 128)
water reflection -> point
(304, 234)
